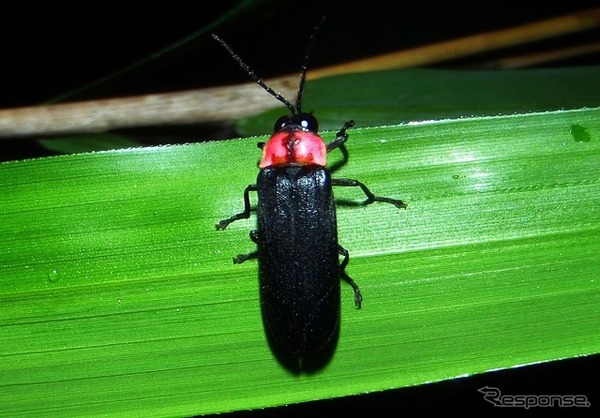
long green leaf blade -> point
(118, 296)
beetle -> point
(297, 243)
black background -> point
(52, 48)
(49, 48)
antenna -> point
(276, 94)
(253, 75)
(311, 42)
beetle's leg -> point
(339, 142)
(348, 279)
(242, 215)
(254, 236)
(340, 137)
(240, 258)
(370, 196)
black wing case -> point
(298, 259)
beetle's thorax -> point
(294, 145)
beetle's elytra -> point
(297, 244)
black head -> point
(297, 121)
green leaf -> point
(118, 296)
(391, 97)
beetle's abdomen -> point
(298, 258)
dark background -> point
(50, 48)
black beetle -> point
(297, 244)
